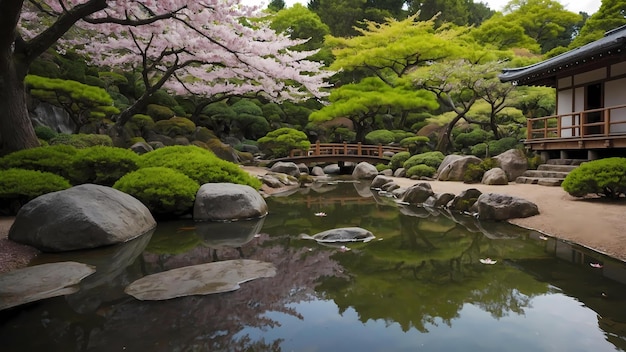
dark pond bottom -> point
(421, 285)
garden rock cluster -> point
(487, 206)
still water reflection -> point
(419, 286)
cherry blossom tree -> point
(210, 48)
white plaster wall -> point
(590, 76)
(565, 107)
(615, 94)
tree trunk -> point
(16, 129)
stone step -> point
(566, 161)
(545, 174)
(556, 167)
(543, 181)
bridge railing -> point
(345, 149)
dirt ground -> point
(595, 223)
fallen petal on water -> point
(488, 261)
(596, 265)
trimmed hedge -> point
(604, 177)
(164, 191)
(82, 140)
(18, 186)
(421, 170)
(279, 143)
(432, 159)
(398, 159)
(198, 164)
(56, 159)
(102, 165)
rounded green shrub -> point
(56, 159)
(139, 124)
(82, 140)
(493, 148)
(102, 165)
(159, 112)
(398, 159)
(381, 167)
(380, 137)
(44, 132)
(18, 186)
(471, 138)
(415, 144)
(604, 177)
(280, 142)
(164, 191)
(198, 164)
(475, 172)
(432, 159)
(421, 170)
(176, 126)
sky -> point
(589, 6)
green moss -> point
(475, 172)
(102, 165)
(139, 124)
(164, 191)
(82, 140)
(44, 132)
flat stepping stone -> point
(39, 282)
(200, 279)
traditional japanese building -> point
(590, 82)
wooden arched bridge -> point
(342, 152)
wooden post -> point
(558, 125)
(529, 129)
(607, 122)
(317, 148)
(345, 148)
(358, 149)
(380, 150)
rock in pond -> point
(34, 283)
(342, 234)
(81, 217)
(228, 201)
(200, 279)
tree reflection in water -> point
(420, 273)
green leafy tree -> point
(280, 142)
(82, 102)
(610, 15)
(301, 23)
(276, 5)
(501, 33)
(362, 102)
(249, 121)
(458, 85)
(543, 20)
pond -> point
(419, 285)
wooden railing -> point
(589, 123)
(329, 149)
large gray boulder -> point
(81, 217)
(228, 201)
(379, 181)
(364, 171)
(288, 168)
(418, 193)
(493, 206)
(332, 169)
(439, 200)
(495, 176)
(513, 162)
(465, 200)
(317, 171)
(454, 166)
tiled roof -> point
(544, 72)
